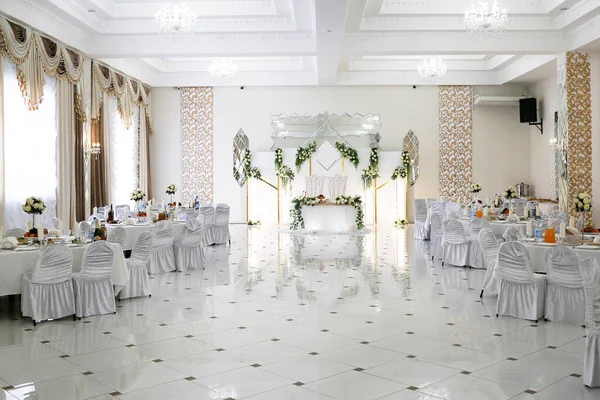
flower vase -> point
(170, 199)
(32, 221)
(140, 205)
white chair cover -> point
(476, 257)
(452, 207)
(185, 214)
(336, 185)
(16, 233)
(512, 234)
(139, 281)
(439, 208)
(47, 291)
(521, 292)
(100, 213)
(476, 225)
(122, 212)
(421, 220)
(117, 235)
(456, 246)
(221, 227)
(590, 272)
(489, 246)
(162, 258)
(437, 235)
(94, 293)
(209, 221)
(565, 300)
(189, 249)
(314, 185)
(85, 230)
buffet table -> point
(330, 218)
(496, 226)
(132, 232)
(14, 263)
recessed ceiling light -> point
(329, 30)
(92, 11)
(564, 9)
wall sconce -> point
(93, 149)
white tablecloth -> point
(329, 218)
(497, 227)
(13, 264)
(132, 232)
(538, 255)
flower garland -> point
(372, 172)
(296, 210)
(278, 159)
(287, 176)
(583, 202)
(355, 201)
(348, 152)
(34, 205)
(402, 170)
(399, 172)
(304, 153)
(251, 172)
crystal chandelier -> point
(223, 71)
(175, 21)
(432, 70)
(485, 21)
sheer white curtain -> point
(29, 151)
(124, 155)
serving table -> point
(14, 263)
(330, 218)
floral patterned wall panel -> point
(197, 144)
(456, 142)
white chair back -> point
(117, 235)
(314, 185)
(439, 208)
(489, 246)
(209, 215)
(590, 272)
(54, 264)
(200, 218)
(512, 234)
(97, 261)
(454, 232)
(222, 215)
(514, 263)
(420, 210)
(520, 206)
(336, 185)
(562, 267)
(55, 222)
(122, 212)
(142, 247)
(15, 233)
(437, 226)
(476, 225)
(85, 229)
(186, 213)
(163, 236)
(193, 233)
(452, 207)
(100, 213)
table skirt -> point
(329, 219)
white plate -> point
(544, 244)
(588, 247)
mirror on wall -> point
(240, 145)
(411, 145)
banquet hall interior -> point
(299, 199)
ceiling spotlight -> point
(176, 21)
(432, 70)
(484, 20)
(223, 71)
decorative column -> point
(456, 142)
(574, 129)
(196, 144)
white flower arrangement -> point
(355, 201)
(137, 195)
(171, 189)
(304, 153)
(583, 202)
(348, 153)
(406, 159)
(369, 175)
(278, 159)
(400, 223)
(34, 205)
(475, 188)
(287, 176)
(296, 210)
(399, 172)
(510, 192)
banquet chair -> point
(336, 185)
(565, 300)
(314, 185)
(187, 213)
(122, 212)
(512, 234)
(439, 208)
(85, 230)
(100, 213)
(489, 246)
(452, 207)
(556, 217)
(161, 255)
(93, 288)
(189, 250)
(590, 273)
(421, 220)
(138, 284)
(456, 247)
(47, 291)
(437, 235)
(476, 225)
(209, 222)
(16, 233)
(117, 235)
(521, 292)
(476, 256)
(221, 226)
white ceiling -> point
(319, 42)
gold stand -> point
(278, 198)
(343, 169)
(375, 189)
(310, 165)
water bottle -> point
(539, 229)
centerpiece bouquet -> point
(583, 203)
(510, 192)
(138, 196)
(475, 188)
(171, 190)
(34, 206)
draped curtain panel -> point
(78, 156)
(98, 184)
(145, 177)
(456, 142)
(65, 199)
(1, 139)
(197, 144)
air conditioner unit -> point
(512, 101)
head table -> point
(132, 232)
(14, 263)
(330, 218)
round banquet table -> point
(132, 232)
(538, 255)
(330, 218)
(14, 263)
(497, 227)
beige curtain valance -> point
(129, 93)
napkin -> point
(486, 212)
(529, 228)
(8, 243)
(563, 231)
(597, 240)
(95, 210)
(75, 228)
(572, 222)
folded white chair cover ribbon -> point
(162, 258)
(456, 246)
(565, 299)
(421, 220)
(117, 235)
(590, 272)
(189, 250)
(139, 281)
(9, 243)
(489, 246)
(439, 208)
(221, 227)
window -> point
(29, 151)
(124, 155)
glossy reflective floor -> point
(316, 317)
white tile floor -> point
(313, 317)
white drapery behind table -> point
(13, 264)
(329, 218)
